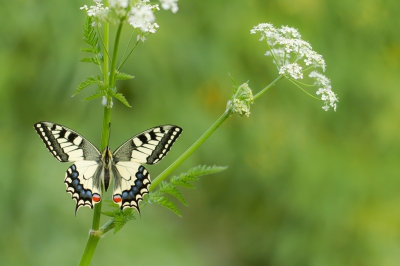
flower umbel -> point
(139, 14)
(241, 100)
(293, 57)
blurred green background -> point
(303, 187)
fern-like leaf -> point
(120, 218)
(169, 188)
(87, 82)
(98, 94)
(120, 97)
(94, 60)
(89, 33)
(184, 180)
(157, 197)
(123, 76)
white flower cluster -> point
(241, 100)
(293, 56)
(140, 14)
(327, 95)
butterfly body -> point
(93, 170)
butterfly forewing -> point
(65, 144)
(148, 147)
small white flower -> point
(170, 4)
(118, 3)
(329, 97)
(96, 11)
(140, 38)
(142, 17)
(293, 56)
(320, 80)
(315, 59)
(294, 71)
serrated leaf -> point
(89, 50)
(120, 218)
(87, 82)
(123, 76)
(89, 33)
(90, 60)
(94, 96)
(182, 183)
(166, 202)
(173, 191)
(121, 97)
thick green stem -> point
(188, 152)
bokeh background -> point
(303, 187)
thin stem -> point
(114, 59)
(268, 87)
(188, 152)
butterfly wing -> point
(131, 183)
(82, 179)
(132, 180)
(65, 144)
(83, 183)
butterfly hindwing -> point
(131, 183)
(83, 183)
(65, 144)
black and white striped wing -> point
(132, 180)
(148, 147)
(65, 144)
(82, 179)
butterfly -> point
(92, 170)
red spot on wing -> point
(96, 197)
(117, 198)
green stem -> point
(95, 233)
(114, 59)
(188, 152)
(268, 87)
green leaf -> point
(89, 33)
(95, 96)
(120, 217)
(181, 180)
(123, 76)
(173, 191)
(194, 174)
(90, 60)
(89, 50)
(121, 97)
(87, 82)
(157, 197)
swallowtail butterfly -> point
(92, 170)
